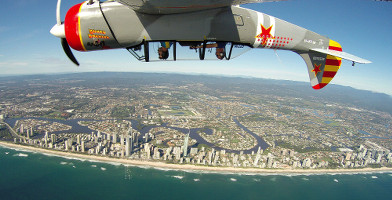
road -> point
(13, 132)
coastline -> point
(189, 167)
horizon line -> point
(184, 73)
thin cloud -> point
(13, 64)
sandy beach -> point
(189, 167)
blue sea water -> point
(28, 175)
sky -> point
(362, 27)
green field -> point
(175, 113)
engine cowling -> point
(87, 30)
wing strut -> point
(231, 49)
(139, 56)
(146, 51)
(202, 51)
(175, 51)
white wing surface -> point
(343, 55)
(181, 6)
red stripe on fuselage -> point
(72, 32)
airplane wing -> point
(181, 6)
(343, 55)
(323, 64)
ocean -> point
(30, 175)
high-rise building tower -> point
(46, 139)
(53, 138)
(127, 146)
(186, 140)
(114, 138)
(146, 137)
(147, 149)
(122, 139)
(66, 145)
(130, 139)
(21, 129)
(136, 139)
(78, 139)
(82, 146)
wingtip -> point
(319, 86)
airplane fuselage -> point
(118, 26)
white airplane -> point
(169, 25)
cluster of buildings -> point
(95, 143)
(132, 145)
(31, 127)
(363, 157)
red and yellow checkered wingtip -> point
(332, 65)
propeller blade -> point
(68, 51)
(58, 19)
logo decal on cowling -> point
(97, 34)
